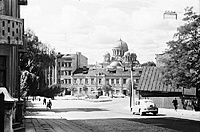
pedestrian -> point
(49, 104)
(44, 101)
(175, 103)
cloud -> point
(93, 26)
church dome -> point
(115, 64)
(121, 45)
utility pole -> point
(133, 91)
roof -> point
(121, 45)
(150, 80)
(103, 71)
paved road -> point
(81, 115)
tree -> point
(73, 89)
(107, 88)
(182, 67)
(129, 86)
(35, 60)
(52, 91)
(149, 63)
(85, 89)
(28, 84)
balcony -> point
(11, 30)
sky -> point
(92, 27)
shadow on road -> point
(65, 109)
(172, 123)
(151, 115)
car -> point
(144, 106)
(119, 95)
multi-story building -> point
(65, 65)
(11, 46)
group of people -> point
(48, 104)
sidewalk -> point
(50, 123)
(180, 113)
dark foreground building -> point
(11, 46)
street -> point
(106, 116)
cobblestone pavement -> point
(52, 125)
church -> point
(121, 57)
(115, 70)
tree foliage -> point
(52, 91)
(149, 63)
(129, 86)
(182, 69)
(28, 84)
(107, 88)
(34, 61)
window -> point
(62, 72)
(107, 81)
(66, 81)
(3, 32)
(137, 80)
(86, 81)
(59, 72)
(3, 23)
(92, 81)
(63, 64)
(75, 81)
(2, 71)
(99, 81)
(124, 81)
(13, 25)
(69, 64)
(70, 81)
(58, 64)
(69, 72)
(117, 81)
(112, 81)
(65, 72)
(81, 81)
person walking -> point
(44, 101)
(49, 104)
(175, 103)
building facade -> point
(11, 43)
(94, 79)
(65, 65)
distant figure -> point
(49, 104)
(185, 104)
(44, 101)
(175, 103)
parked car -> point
(119, 95)
(144, 106)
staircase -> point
(18, 127)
